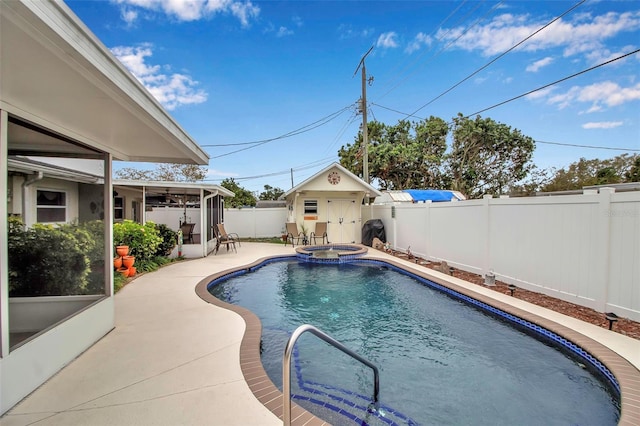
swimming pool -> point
(449, 370)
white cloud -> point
(599, 95)
(534, 67)
(420, 40)
(387, 40)
(346, 31)
(602, 125)
(583, 34)
(543, 93)
(284, 31)
(242, 11)
(297, 21)
(192, 10)
(171, 90)
(600, 56)
(128, 15)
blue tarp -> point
(435, 195)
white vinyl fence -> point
(256, 223)
(581, 248)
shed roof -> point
(365, 187)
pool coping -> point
(627, 375)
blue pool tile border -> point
(535, 328)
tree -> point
(165, 172)
(534, 181)
(487, 157)
(180, 172)
(134, 174)
(633, 174)
(270, 193)
(407, 155)
(595, 172)
(243, 197)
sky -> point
(271, 89)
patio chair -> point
(293, 234)
(187, 231)
(320, 232)
(221, 239)
(232, 236)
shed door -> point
(341, 222)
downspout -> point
(28, 182)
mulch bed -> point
(623, 326)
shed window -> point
(310, 206)
(51, 206)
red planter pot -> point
(128, 261)
(117, 262)
(122, 250)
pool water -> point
(441, 360)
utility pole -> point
(365, 130)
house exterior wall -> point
(91, 204)
(129, 195)
(70, 188)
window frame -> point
(310, 207)
(41, 207)
(117, 208)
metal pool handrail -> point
(286, 366)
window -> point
(118, 208)
(311, 207)
(51, 206)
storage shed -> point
(333, 195)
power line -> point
(530, 91)
(555, 82)
(419, 56)
(282, 172)
(298, 131)
(500, 56)
(435, 55)
(341, 132)
(589, 146)
(542, 142)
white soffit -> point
(56, 74)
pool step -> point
(343, 407)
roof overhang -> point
(366, 188)
(27, 165)
(55, 74)
(160, 187)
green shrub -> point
(90, 236)
(143, 240)
(47, 261)
(169, 240)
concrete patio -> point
(174, 359)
